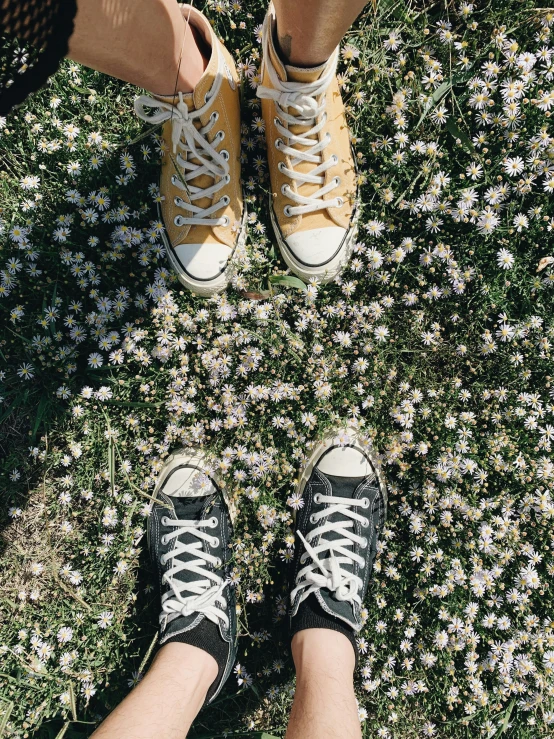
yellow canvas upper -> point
(339, 145)
(226, 103)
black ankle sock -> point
(312, 616)
(206, 636)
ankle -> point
(192, 668)
(190, 64)
(291, 54)
(323, 652)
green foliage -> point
(436, 342)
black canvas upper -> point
(218, 639)
(343, 487)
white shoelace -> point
(302, 97)
(208, 592)
(327, 572)
(194, 143)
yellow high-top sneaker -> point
(313, 203)
(202, 210)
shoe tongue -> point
(342, 487)
(194, 101)
(187, 509)
(188, 99)
(190, 508)
(304, 74)
(290, 73)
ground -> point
(436, 342)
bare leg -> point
(309, 31)
(324, 703)
(165, 703)
(145, 42)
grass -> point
(455, 388)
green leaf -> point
(43, 403)
(440, 92)
(506, 721)
(459, 134)
(61, 733)
(82, 90)
(6, 707)
(134, 404)
(288, 281)
(111, 462)
(442, 89)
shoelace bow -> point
(206, 595)
(302, 97)
(193, 141)
(327, 572)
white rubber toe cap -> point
(316, 247)
(203, 261)
(345, 461)
(187, 482)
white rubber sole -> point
(326, 272)
(327, 443)
(205, 288)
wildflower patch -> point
(436, 343)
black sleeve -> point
(34, 36)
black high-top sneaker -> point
(189, 531)
(345, 501)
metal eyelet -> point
(226, 221)
(365, 522)
(225, 154)
(335, 159)
(225, 200)
(340, 202)
(178, 221)
(213, 522)
(337, 180)
(280, 166)
(313, 518)
(364, 543)
(284, 189)
(220, 135)
(163, 560)
(303, 558)
(215, 116)
(277, 142)
(164, 520)
(276, 121)
(365, 502)
(177, 200)
(218, 562)
(215, 542)
(173, 178)
(227, 178)
(317, 498)
(286, 211)
(164, 540)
